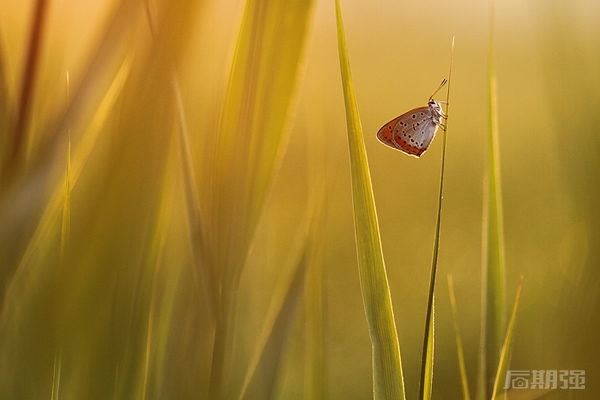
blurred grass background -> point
(128, 313)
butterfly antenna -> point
(439, 87)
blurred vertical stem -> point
(506, 350)
(252, 131)
(459, 348)
(388, 382)
(28, 83)
(66, 217)
(493, 274)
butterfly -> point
(413, 131)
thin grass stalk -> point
(66, 217)
(314, 309)
(506, 351)
(459, 347)
(65, 239)
(164, 286)
(317, 173)
(56, 377)
(428, 343)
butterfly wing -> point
(386, 134)
(412, 132)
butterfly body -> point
(413, 131)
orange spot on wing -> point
(386, 137)
(407, 148)
(385, 133)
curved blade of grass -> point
(428, 342)
(506, 347)
(254, 121)
(387, 370)
(493, 285)
(461, 357)
(252, 131)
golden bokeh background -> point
(116, 323)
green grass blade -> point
(253, 130)
(506, 347)
(461, 357)
(261, 92)
(493, 285)
(427, 367)
(428, 342)
(387, 370)
(76, 164)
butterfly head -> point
(435, 108)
